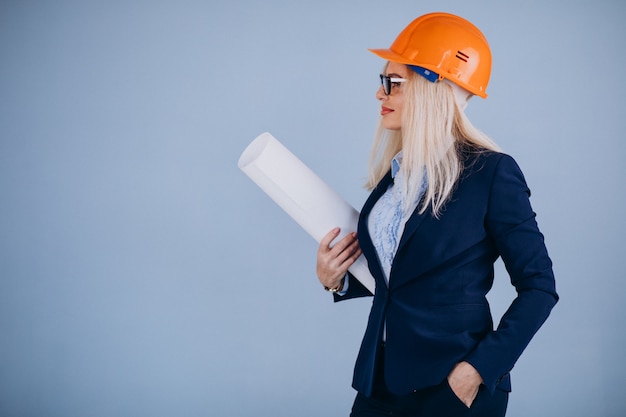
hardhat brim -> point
(390, 55)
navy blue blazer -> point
(435, 306)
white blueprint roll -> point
(312, 203)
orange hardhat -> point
(447, 45)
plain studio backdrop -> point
(143, 274)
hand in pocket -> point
(464, 380)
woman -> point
(444, 205)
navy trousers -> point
(436, 401)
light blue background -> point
(143, 274)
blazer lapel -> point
(376, 194)
(412, 225)
(365, 240)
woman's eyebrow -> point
(394, 75)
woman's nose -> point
(380, 94)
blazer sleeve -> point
(355, 289)
(511, 224)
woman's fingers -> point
(333, 262)
(345, 249)
(327, 239)
(354, 256)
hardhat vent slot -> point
(462, 56)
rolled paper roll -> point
(303, 195)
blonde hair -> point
(433, 127)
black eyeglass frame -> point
(387, 82)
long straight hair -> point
(433, 127)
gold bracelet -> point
(338, 288)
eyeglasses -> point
(388, 82)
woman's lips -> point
(385, 110)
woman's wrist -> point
(336, 288)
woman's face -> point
(391, 105)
